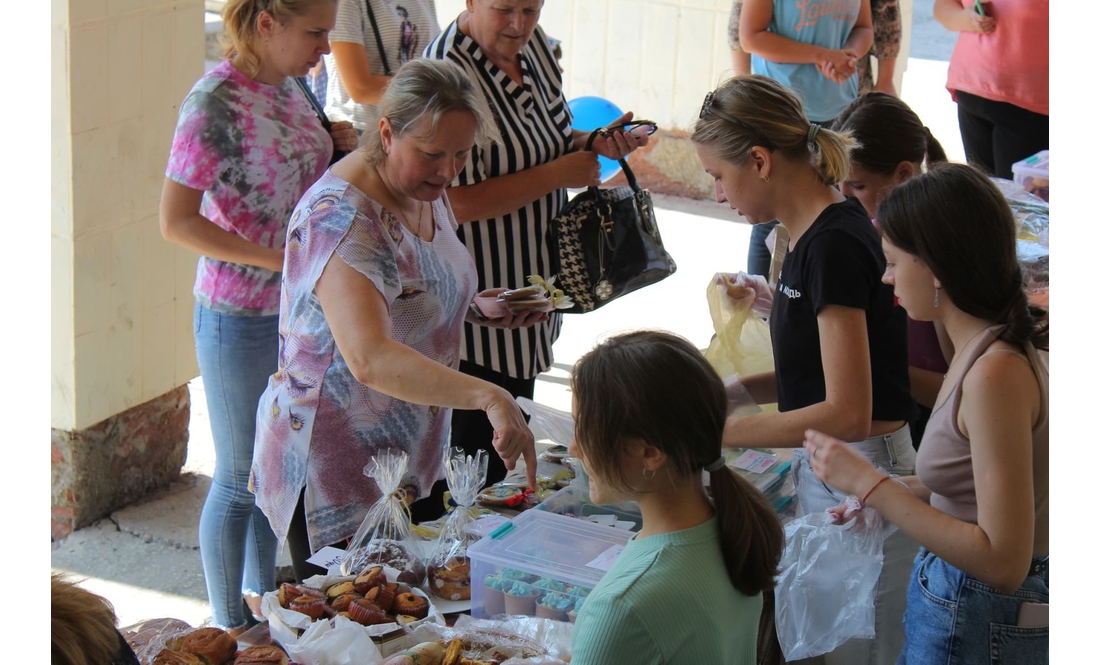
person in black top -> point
(839, 341)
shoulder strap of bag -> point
(378, 39)
(318, 108)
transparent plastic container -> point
(1033, 174)
(540, 564)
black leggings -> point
(996, 135)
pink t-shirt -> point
(253, 149)
(1012, 64)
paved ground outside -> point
(144, 558)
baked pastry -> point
(311, 606)
(213, 643)
(262, 655)
(170, 657)
(286, 593)
(340, 589)
(382, 596)
(148, 637)
(411, 604)
(369, 578)
(343, 601)
(367, 613)
(451, 581)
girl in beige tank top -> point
(978, 505)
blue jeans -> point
(892, 453)
(760, 259)
(237, 355)
(952, 618)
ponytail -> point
(830, 154)
(749, 530)
(935, 153)
(889, 133)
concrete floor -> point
(144, 558)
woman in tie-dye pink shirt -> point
(247, 145)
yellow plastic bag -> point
(742, 343)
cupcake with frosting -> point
(547, 585)
(514, 575)
(519, 599)
(554, 605)
(493, 596)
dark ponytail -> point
(750, 531)
(958, 223)
(658, 388)
(888, 133)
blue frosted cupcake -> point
(519, 599)
(493, 596)
(554, 605)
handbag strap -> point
(602, 131)
(317, 107)
(378, 39)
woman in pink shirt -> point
(999, 77)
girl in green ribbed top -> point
(649, 413)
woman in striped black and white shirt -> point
(506, 196)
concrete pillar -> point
(121, 347)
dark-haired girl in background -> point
(650, 412)
(893, 144)
(979, 502)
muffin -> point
(262, 655)
(411, 604)
(367, 613)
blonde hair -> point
(755, 110)
(242, 39)
(426, 88)
(82, 625)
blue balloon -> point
(591, 113)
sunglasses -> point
(709, 110)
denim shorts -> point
(953, 618)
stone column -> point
(121, 303)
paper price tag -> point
(754, 461)
(328, 558)
(606, 559)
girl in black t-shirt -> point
(839, 342)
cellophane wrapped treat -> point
(448, 567)
(385, 537)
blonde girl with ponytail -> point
(841, 361)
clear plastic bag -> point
(448, 567)
(825, 591)
(742, 344)
(385, 537)
(1032, 216)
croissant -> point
(213, 643)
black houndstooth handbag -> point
(606, 243)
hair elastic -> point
(811, 136)
(716, 464)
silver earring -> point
(650, 475)
(936, 300)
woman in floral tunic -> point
(375, 293)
